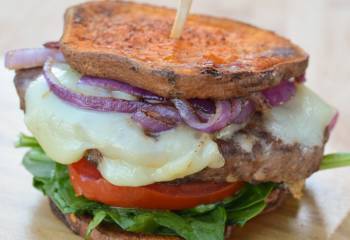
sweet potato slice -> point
(214, 58)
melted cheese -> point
(227, 132)
(130, 157)
(302, 120)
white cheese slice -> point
(130, 157)
(302, 120)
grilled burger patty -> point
(251, 154)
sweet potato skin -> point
(215, 57)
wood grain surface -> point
(321, 27)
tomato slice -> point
(88, 182)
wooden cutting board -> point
(320, 26)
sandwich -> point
(136, 135)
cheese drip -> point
(303, 119)
(130, 158)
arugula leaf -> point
(144, 223)
(26, 141)
(242, 216)
(211, 225)
(206, 227)
(335, 160)
(204, 208)
(99, 216)
(38, 164)
(250, 196)
(246, 198)
(204, 222)
(248, 204)
(123, 218)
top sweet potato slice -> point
(215, 58)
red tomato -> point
(88, 182)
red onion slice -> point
(203, 105)
(31, 57)
(333, 123)
(152, 117)
(157, 118)
(102, 104)
(247, 109)
(204, 117)
(115, 85)
(52, 45)
(300, 79)
(280, 94)
(225, 113)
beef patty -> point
(251, 154)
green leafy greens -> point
(204, 222)
(335, 160)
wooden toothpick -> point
(183, 10)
